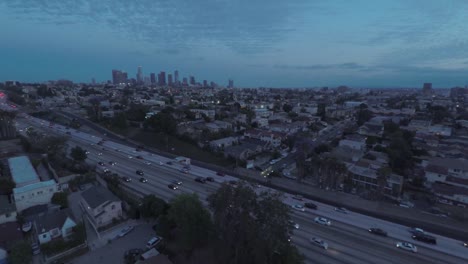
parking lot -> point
(114, 251)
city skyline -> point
(300, 44)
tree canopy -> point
(153, 206)
(253, 228)
(60, 198)
(20, 253)
(78, 154)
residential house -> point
(52, 225)
(222, 143)
(101, 206)
(356, 142)
(200, 112)
(29, 190)
(371, 129)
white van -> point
(153, 242)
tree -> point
(163, 123)
(363, 115)
(78, 154)
(60, 198)
(287, 108)
(252, 228)
(152, 206)
(322, 148)
(6, 185)
(193, 221)
(20, 253)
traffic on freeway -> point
(346, 233)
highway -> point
(347, 237)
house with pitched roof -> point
(53, 225)
(101, 206)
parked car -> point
(322, 221)
(377, 231)
(311, 206)
(132, 254)
(140, 172)
(126, 230)
(210, 179)
(319, 242)
(152, 242)
(407, 246)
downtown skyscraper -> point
(139, 75)
(176, 77)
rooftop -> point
(52, 220)
(97, 196)
(22, 171)
(33, 186)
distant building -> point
(176, 77)
(54, 225)
(139, 75)
(169, 79)
(205, 83)
(119, 77)
(427, 89)
(29, 191)
(192, 80)
(162, 78)
(231, 84)
(153, 78)
(184, 81)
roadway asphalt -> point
(348, 239)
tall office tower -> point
(192, 80)
(184, 81)
(205, 83)
(162, 78)
(123, 77)
(116, 76)
(153, 78)
(93, 81)
(176, 76)
(427, 89)
(169, 79)
(231, 84)
(140, 75)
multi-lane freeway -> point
(347, 237)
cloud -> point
(342, 66)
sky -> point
(268, 43)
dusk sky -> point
(297, 43)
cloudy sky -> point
(274, 43)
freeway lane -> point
(340, 252)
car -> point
(424, 238)
(200, 180)
(139, 157)
(87, 152)
(161, 163)
(133, 253)
(465, 244)
(176, 182)
(322, 221)
(169, 163)
(99, 154)
(106, 170)
(319, 242)
(36, 250)
(298, 197)
(130, 157)
(101, 163)
(82, 187)
(142, 179)
(298, 207)
(147, 163)
(140, 172)
(152, 242)
(210, 179)
(173, 186)
(184, 171)
(68, 133)
(341, 210)
(407, 246)
(311, 206)
(415, 230)
(220, 173)
(293, 224)
(126, 230)
(126, 179)
(112, 163)
(377, 231)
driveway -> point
(113, 252)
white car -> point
(407, 246)
(130, 157)
(298, 207)
(99, 154)
(319, 242)
(147, 163)
(125, 231)
(322, 221)
(341, 210)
